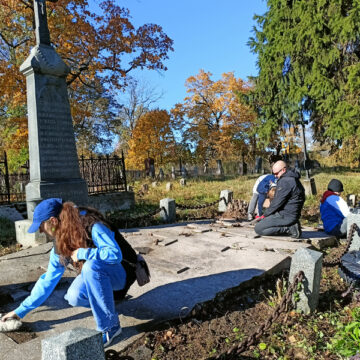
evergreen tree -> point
(308, 59)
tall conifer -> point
(308, 58)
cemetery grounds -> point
(214, 327)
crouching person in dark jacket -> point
(282, 216)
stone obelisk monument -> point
(54, 168)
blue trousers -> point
(261, 200)
(340, 230)
(257, 199)
(94, 287)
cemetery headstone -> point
(168, 212)
(54, 167)
(258, 164)
(75, 344)
(169, 186)
(351, 200)
(242, 168)
(152, 170)
(182, 182)
(355, 243)
(173, 174)
(310, 262)
(219, 170)
(206, 167)
(226, 196)
(161, 174)
(309, 186)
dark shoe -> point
(108, 336)
(295, 230)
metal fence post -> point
(92, 180)
(100, 175)
(83, 166)
(108, 183)
(7, 182)
(123, 169)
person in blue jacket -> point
(334, 210)
(83, 237)
(260, 191)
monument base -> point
(26, 239)
(309, 186)
(69, 190)
(123, 200)
(355, 243)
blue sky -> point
(207, 34)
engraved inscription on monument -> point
(54, 168)
(56, 138)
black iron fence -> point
(12, 186)
(102, 174)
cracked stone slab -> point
(209, 271)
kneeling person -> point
(83, 237)
(282, 216)
(334, 210)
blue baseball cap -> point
(44, 211)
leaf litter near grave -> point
(214, 327)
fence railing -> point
(12, 186)
(102, 174)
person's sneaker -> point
(250, 217)
(108, 336)
(295, 230)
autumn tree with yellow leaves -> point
(214, 122)
(101, 49)
(152, 137)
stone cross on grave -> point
(41, 26)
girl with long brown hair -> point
(83, 237)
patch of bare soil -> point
(310, 215)
(23, 335)
(214, 327)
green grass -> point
(346, 341)
(204, 190)
(199, 191)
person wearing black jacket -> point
(282, 216)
